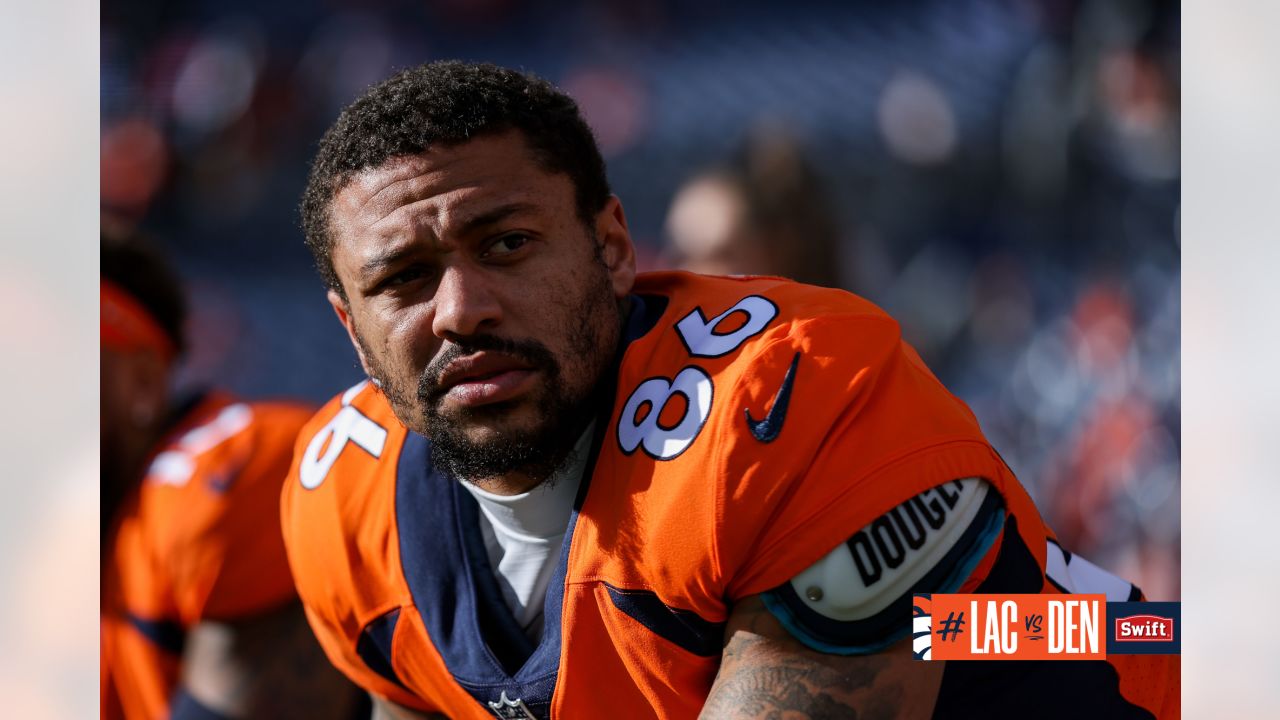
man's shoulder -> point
(793, 302)
(741, 378)
(344, 464)
(206, 529)
(743, 328)
(219, 460)
(350, 440)
(763, 359)
(338, 504)
(760, 393)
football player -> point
(199, 615)
(568, 490)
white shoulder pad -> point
(929, 543)
(883, 560)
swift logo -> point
(1144, 628)
(767, 430)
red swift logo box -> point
(1143, 628)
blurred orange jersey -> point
(199, 539)
(755, 424)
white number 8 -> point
(660, 442)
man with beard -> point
(199, 615)
(571, 491)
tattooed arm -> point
(766, 673)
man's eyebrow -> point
(397, 253)
(386, 258)
(494, 215)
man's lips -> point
(485, 377)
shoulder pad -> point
(856, 599)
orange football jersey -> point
(755, 424)
(199, 539)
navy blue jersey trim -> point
(450, 579)
(646, 311)
(168, 635)
(453, 588)
(502, 633)
(875, 633)
(1015, 569)
(683, 627)
(374, 645)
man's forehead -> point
(499, 162)
(403, 178)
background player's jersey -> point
(755, 424)
(199, 539)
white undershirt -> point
(522, 535)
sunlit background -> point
(1004, 178)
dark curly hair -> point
(448, 103)
(138, 267)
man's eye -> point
(407, 275)
(506, 245)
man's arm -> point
(266, 666)
(765, 672)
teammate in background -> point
(199, 615)
(571, 491)
(765, 212)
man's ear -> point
(343, 311)
(616, 249)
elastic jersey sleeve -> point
(867, 428)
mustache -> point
(529, 351)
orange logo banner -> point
(1010, 627)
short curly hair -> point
(448, 103)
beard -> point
(534, 451)
(564, 411)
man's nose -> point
(465, 304)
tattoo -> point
(767, 674)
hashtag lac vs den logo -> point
(1013, 627)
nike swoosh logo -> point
(767, 430)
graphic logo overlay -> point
(1144, 628)
(767, 430)
(1041, 627)
(1012, 627)
(921, 627)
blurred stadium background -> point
(1005, 173)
